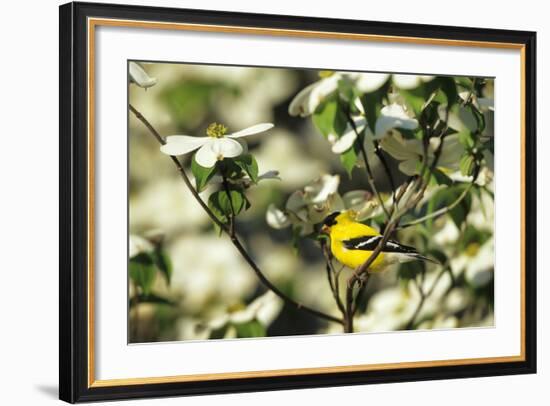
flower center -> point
(472, 249)
(216, 130)
(325, 73)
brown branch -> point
(234, 239)
(333, 277)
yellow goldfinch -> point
(352, 243)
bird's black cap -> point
(330, 220)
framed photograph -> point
(257, 202)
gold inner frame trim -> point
(94, 22)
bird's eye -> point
(330, 220)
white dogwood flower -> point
(307, 100)
(137, 245)
(310, 205)
(140, 77)
(393, 116)
(346, 141)
(216, 146)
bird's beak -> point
(325, 229)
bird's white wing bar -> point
(370, 242)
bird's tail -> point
(416, 255)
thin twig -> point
(234, 239)
(423, 296)
(370, 176)
(385, 165)
(333, 277)
(233, 214)
(441, 211)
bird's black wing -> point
(370, 242)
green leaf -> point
(347, 90)
(441, 178)
(409, 270)
(448, 86)
(151, 298)
(349, 160)
(437, 254)
(467, 165)
(479, 117)
(473, 236)
(219, 332)
(164, 264)
(248, 163)
(466, 139)
(330, 118)
(250, 329)
(202, 175)
(216, 209)
(448, 196)
(414, 100)
(142, 271)
(429, 114)
(464, 82)
(372, 104)
(222, 206)
(460, 212)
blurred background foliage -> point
(187, 282)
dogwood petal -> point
(406, 81)
(362, 202)
(137, 245)
(307, 100)
(393, 116)
(319, 190)
(400, 148)
(182, 144)
(451, 152)
(140, 77)
(299, 106)
(370, 82)
(276, 218)
(206, 157)
(226, 147)
(345, 142)
(324, 88)
(270, 175)
(296, 205)
(217, 149)
(255, 129)
(409, 167)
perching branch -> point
(333, 278)
(230, 231)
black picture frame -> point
(74, 385)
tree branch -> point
(333, 276)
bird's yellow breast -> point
(352, 258)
